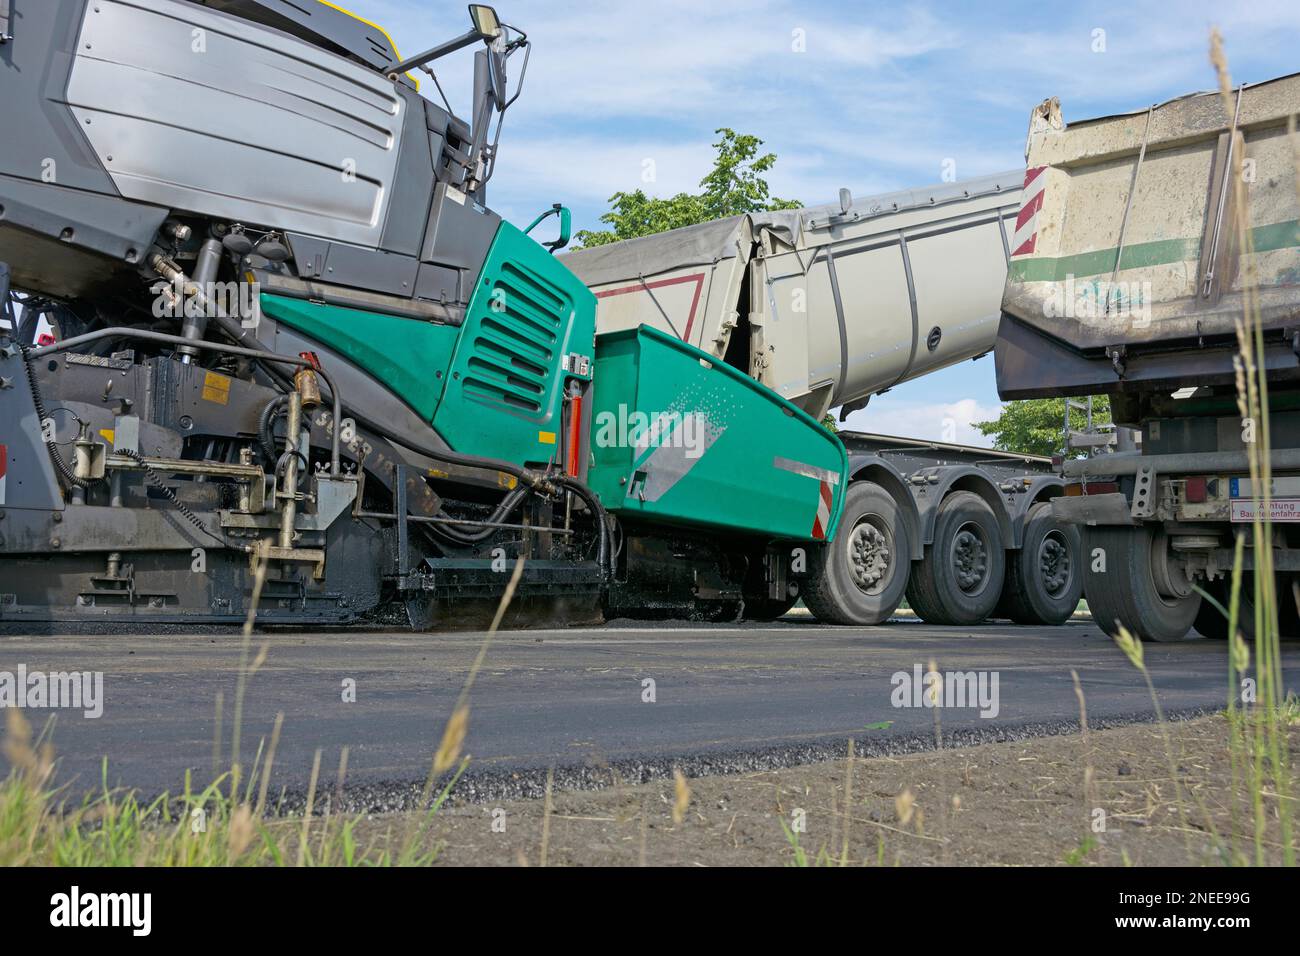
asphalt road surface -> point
(724, 698)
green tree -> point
(1036, 426)
(735, 185)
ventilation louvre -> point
(514, 358)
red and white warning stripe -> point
(825, 500)
(1031, 201)
(4, 469)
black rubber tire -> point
(934, 590)
(1288, 610)
(1125, 593)
(1211, 622)
(1033, 594)
(831, 590)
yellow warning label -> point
(216, 388)
(546, 438)
(108, 434)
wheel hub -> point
(869, 556)
(970, 559)
(1054, 564)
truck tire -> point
(1044, 579)
(859, 577)
(1126, 593)
(1211, 622)
(960, 579)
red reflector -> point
(1100, 488)
(573, 465)
(1194, 490)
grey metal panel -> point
(234, 121)
(459, 233)
(439, 283)
(30, 482)
(322, 24)
(458, 237)
(38, 128)
(408, 212)
(65, 242)
(355, 266)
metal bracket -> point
(1224, 185)
(403, 526)
(1144, 493)
(1118, 355)
(266, 551)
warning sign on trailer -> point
(1279, 509)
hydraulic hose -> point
(61, 469)
(527, 477)
(508, 504)
(275, 408)
(602, 525)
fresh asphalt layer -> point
(725, 698)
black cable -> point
(61, 469)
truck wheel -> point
(1044, 580)
(1211, 622)
(960, 579)
(859, 577)
(1126, 592)
(1288, 611)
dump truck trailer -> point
(830, 305)
(1130, 277)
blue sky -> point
(878, 98)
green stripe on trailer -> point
(1281, 235)
(679, 437)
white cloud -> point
(594, 169)
(936, 421)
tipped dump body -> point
(825, 305)
(1127, 269)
